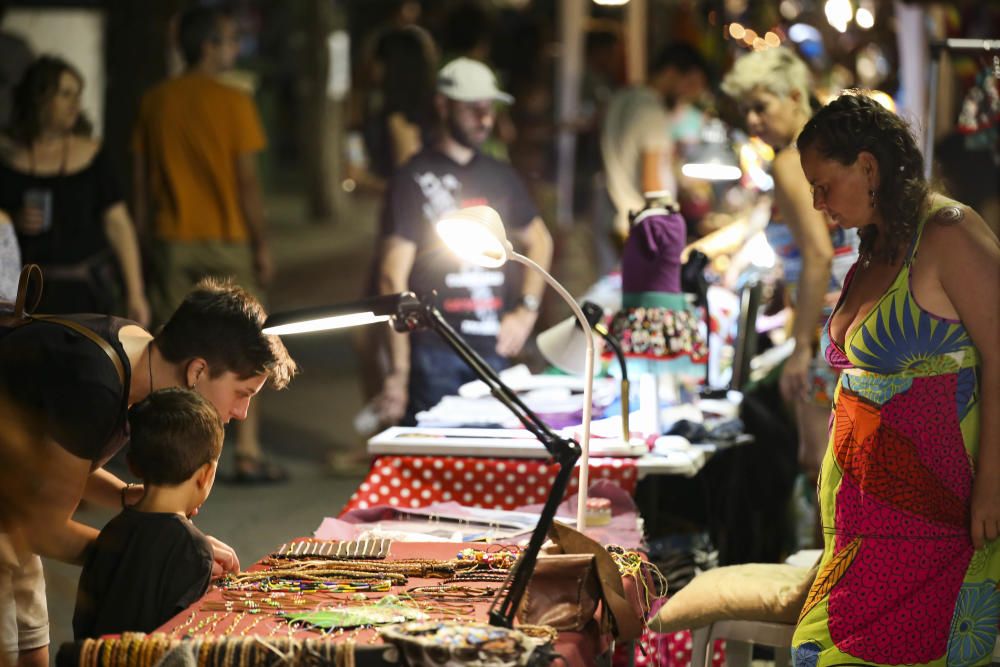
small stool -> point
(740, 636)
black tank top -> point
(60, 377)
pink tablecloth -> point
(504, 484)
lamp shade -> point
(713, 159)
(565, 346)
(476, 234)
(324, 318)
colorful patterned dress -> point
(899, 581)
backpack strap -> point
(23, 314)
(28, 273)
(93, 337)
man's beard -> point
(461, 136)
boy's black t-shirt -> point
(431, 184)
(144, 569)
(66, 381)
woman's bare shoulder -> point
(82, 151)
(954, 229)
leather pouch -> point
(563, 592)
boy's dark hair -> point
(221, 323)
(36, 88)
(174, 432)
(197, 26)
(682, 57)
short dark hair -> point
(855, 122)
(222, 323)
(197, 26)
(37, 86)
(682, 57)
(174, 432)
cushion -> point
(751, 592)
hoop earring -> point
(871, 197)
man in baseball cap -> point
(494, 313)
(467, 80)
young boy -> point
(150, 562)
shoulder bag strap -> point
(93, 337)
(23, 315)
(28, 273)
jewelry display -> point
(478, 576)
(334, 549)
(467, 643)
(313, 607)
(452, 591)
(502, 559)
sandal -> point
(252, 470)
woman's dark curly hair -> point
(854, 122)
(36, 87)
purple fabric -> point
(651, 260)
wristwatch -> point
(530, 302)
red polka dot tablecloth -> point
(503, 484)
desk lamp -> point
(477, 235)
(407, 312)
(562, 346)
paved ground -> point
(303, 425)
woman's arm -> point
(121, 237)
(49, 525)
(808, 227)
(405, 138)
(963, 254)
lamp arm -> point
(616, 347)
(421, 312)
(429, 316)
(588, 385)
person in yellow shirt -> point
(197, 194)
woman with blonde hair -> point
(773, 90)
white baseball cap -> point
(467, 80)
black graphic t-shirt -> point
(58, 376)
(420, 193)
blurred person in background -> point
(401, 114)
(636, 146)
(449, 174)
(60, 188)
(773, 89)
(468, 33)
(398, 127)
(197, 193)
(22, 464)
(15, 57)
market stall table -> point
(221, 614)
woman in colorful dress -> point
(910, 484)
